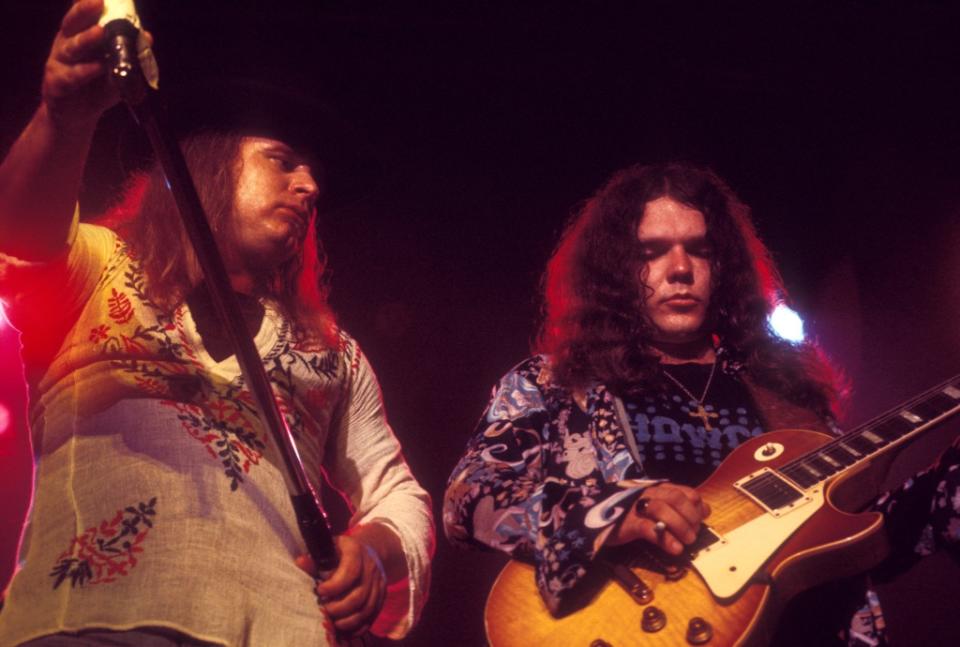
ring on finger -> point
(659, 528)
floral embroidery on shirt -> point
(226, 434)
(99, 333)
(102, 553)
(120, 308)
(161, 358)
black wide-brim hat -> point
(290, 111)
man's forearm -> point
(39, 183)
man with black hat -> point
(160, 514)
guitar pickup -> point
(775, 494)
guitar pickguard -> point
(729, 564)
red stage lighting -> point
(4, 418)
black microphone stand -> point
(144, 104)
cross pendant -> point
(704, 416)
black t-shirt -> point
(678, 442)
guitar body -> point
(772, 557)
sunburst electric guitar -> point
(776, 528)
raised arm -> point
(40, 176)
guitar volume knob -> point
(653, 620)
(699, 631)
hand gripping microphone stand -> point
(142, 100)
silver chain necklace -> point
(701, 412)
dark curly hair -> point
(594, 326)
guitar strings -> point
(859, 431)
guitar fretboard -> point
(880, 434)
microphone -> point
(131, 60)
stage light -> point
(786, 323)
(4, 418)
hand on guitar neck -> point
(667, 515)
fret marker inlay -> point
(911, 417)
(872, 437)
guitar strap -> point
(778, 413)
(628, 431)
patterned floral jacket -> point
(531, 487)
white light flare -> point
(786, 323)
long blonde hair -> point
(147, 219)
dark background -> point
(837, 122)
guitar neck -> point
(882, 434)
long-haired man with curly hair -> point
(160, 514)
(656, 361)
